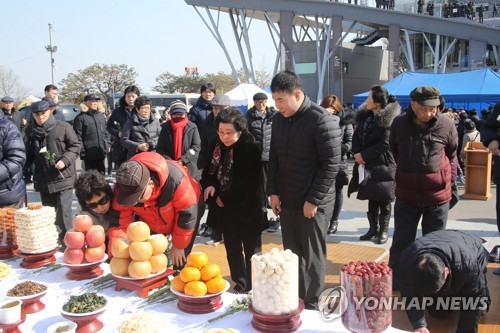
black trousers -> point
(61, 201)
(498, 206)
(406, 219)
(339, 202)
(239, 252)
(95, 165)
(382, 208)
(307, 239)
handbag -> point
(342, 178)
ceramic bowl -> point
(10, 311)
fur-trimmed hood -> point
(386, 115)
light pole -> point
(52, 50)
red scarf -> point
(178, 125)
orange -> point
(189, 274)
(209, 271)
(197, 259)
(216, 285)
(177, 284)
(195, 288)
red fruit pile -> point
(369, 287)
(85, 242)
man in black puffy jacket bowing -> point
(304, 160)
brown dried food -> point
(26, 289)
(35, 206)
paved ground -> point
(473, 216)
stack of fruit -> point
(85, 242)
(141, 254)
(199, 277)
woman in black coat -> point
(142, 129)
(374, 160)
(232, 188)
(179, 139)
(332, 104)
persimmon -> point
(197, 259)
(189, 274)
(209, 271)
(195, 288)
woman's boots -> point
(383, 222)
(372, 232)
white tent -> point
(242, 96)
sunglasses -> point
(104, 200)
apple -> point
(95, 254)
(73, 256)
(82, 223)
(95, 236)
(74, 239)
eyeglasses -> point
(93, 205)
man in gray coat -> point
(303, 162)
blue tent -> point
(475, 89)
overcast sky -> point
(151, 36)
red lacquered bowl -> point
(85, 271)
(31, 303)
(273, 323)
(35, 260)
(86, 322)
(199, 304)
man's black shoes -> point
(495, 254)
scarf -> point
(222, 165)
(40, 132)
(178, 125)
(369, 123)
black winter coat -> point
(12, 159)
(63, 142)
(244, 212)
(134, 133)
(16, 118)
(347, 132)
(304, 157)
(208, 136)
(380, 166)
(90, 128)
(491, 131)
(260, 128)
(114, 125)
(190, 146)
(199, 112)
(465, 257)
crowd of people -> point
(293, 160)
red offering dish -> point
(88, 270)
(7, 252)
(31, 303)
(86, 322)
(35, 260)
(199, 304)
(272, 323)
(13, 327)
(142, 286)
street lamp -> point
(52, 50)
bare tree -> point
(10, 84)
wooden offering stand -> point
(7, 252)
(13, 328)
(142, 286)
(33, 305)
(477, 171)
(31, 261)
(84, 273)
(86, 324)
(200, 305)
(277, 324)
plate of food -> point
(30, 293)
(128, 277)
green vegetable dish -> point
(84, 303)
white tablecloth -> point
(60, 288)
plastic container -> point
(368, 287)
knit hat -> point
(131, 180)
(177, 107)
